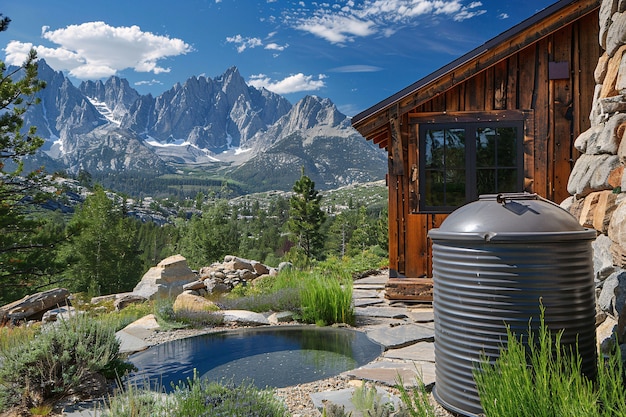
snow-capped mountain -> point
(253, 134)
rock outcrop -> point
(166, 279)
(223, 277)
(32, 307)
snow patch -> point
(104, 110)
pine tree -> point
(306, 217)
(103, 255)
(24, 235)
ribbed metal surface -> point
(495, 262)
(482, 286)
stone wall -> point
(597, 184)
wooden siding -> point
(559, 110)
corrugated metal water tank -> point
(495, 261)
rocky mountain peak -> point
(315, 114)
(107, 126)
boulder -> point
(234, 263)
(601, 69)
(247, 275)
(591, 173)
(602, 260)
(187, 303)
(605, 335)
(281, 317)
(589, 136)
(244, 318)
(612, 298)
(33, 306)
(60, 313)
(195, 285)
(607, 9)
(616, 34)
(260, 269)
(124, 300)
(216, 286)
(166, 279)
(617, 234)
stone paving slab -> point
(421, 351)
(371, 287)
(356, 294)
(365, 302)
(373, 279)
(386, 312)
(420, 316)
(401, 336)
(387, 372)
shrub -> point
(327, 300)
(196, 397)
(518, 382)
(415, 402)
(55, 361)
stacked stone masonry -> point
(597, 184)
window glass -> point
(434, 152)
(460, 161)
(444, 151)
(485, 147)
(507, 146)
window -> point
(460, 161)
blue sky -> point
(355, 52)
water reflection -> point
(270, 356)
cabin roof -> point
(502, 46)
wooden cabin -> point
(501, 118)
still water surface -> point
(271, 356)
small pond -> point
(277, 356)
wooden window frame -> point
(522, 120)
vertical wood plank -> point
(434, 221)
(407, 148)
(563, 123)
(526, 77)
(415, 257)
(394, 223)
(452, 99)
(585, 58)
(540, 103)
(397, 156)
(512, 83)
(489, 88)
(475, 93)
(500, 78)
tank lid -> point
(511, 216)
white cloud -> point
(341, 24)
(96, 50)
(503, 16)
(244, 43)
(276, 47)
(291, 84)
(149, 82)
(336, 29)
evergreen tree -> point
(364, 234)
(208, 238)
(103, 254)
(24, 237)
(306, 217)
